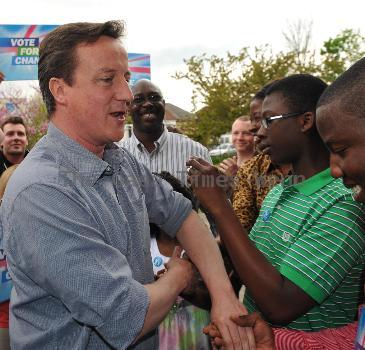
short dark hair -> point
(348, 90)
(260, 95)
(301, 91)
(13, 120)
(57, 56)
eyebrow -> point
(105, 70)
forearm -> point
(162, 294)
(202, 249)
(259, 276)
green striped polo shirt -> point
(312, 232)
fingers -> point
(247, 337)
(212, 331)
(245, 320)
(198, 163)
(177, 252)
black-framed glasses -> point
(265, 122)
(140, 99)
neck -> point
(244, 156)
(14, 158)
(148, 138)
(314, 159)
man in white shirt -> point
(151, 143)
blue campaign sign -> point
(10, 107)
(19, 52)
(19, 45)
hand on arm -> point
(203, 251)
(264, 336)
(166, 289)
(287, 301)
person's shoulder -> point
(335, 190)
(125, 141)
(44, 165)
(257, 164)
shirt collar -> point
(87, 164)
(159, 143)
(313, 184)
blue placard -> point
(19, 50)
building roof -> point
(173, 112)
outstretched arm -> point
(203, 251)
(287, 301)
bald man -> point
(242, 140)
(151, 143)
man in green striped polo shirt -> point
(303, 261)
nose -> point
(336, 166)
(261, 133)
(123, 92)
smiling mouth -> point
(149, 116)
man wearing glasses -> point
(305, 266)
(151, 143)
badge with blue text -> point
(266, 215)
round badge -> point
(266, 215)
(157, 261)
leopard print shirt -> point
(253, 181)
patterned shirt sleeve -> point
(244, 196)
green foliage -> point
(340, 52)
(218, 159)
(31, 109)
(225, 85)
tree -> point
(225, 85)
(298, 38)
(31, 109)
(340, 52)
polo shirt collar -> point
(313, 184)
(87, 164)
(159, 143)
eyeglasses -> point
(140, 99)
(265, 122)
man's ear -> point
(57, 88)
(308, 121)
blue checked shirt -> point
(76, 234)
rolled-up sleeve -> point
(55, 240)
(166, 208)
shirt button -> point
(279, 206)
(286, 236)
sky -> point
(171, 31)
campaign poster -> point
(19, 50)
(139, 66)
(19, 53)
